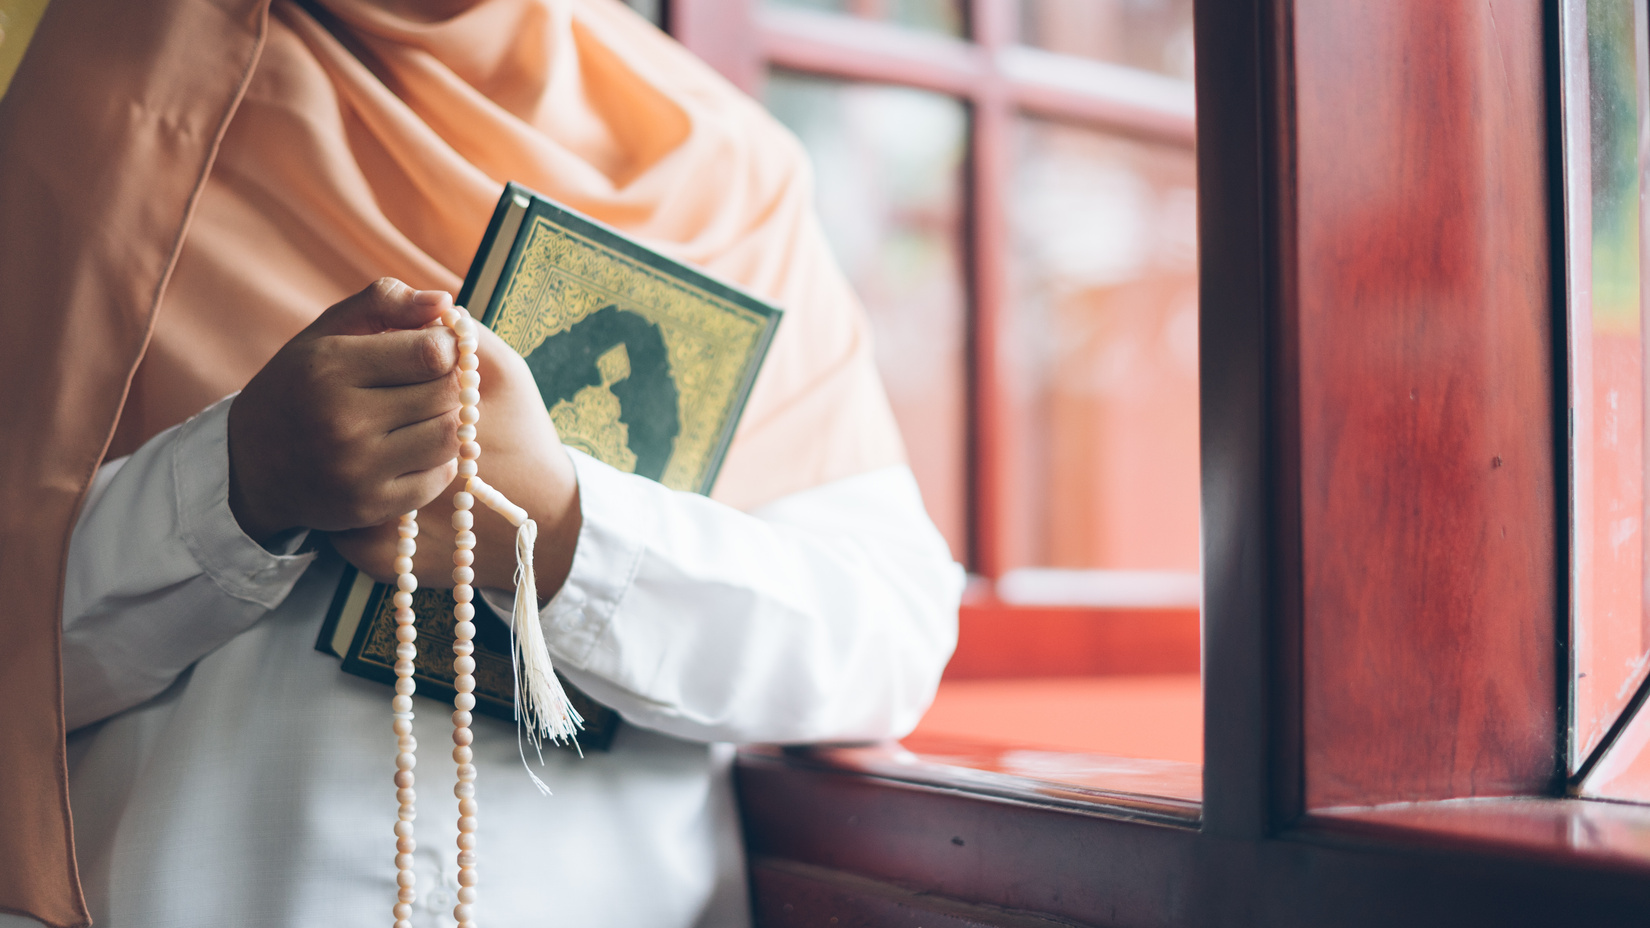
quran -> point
(643, 362)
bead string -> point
(544, 708)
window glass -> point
(1100, 345)
(888, 167)
(943, 16)
(1153, 35)
(1608, 631)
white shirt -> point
(227, 773)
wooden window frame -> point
(998, 80)
(1362, 628)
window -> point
(1606, 96)
(1382, 385)
(1011, 188)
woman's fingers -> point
(394, 359)
(419, 446)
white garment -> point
(230, 774)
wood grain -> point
(1424, 314)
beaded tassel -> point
(542, 703)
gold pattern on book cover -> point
(563, 277)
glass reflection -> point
(1604, 138)
(1101, 350)
(1153, 35)
(888, 177)
(943, 16)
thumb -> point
(386, 304)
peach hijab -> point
(185, 184)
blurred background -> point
(1011, 187)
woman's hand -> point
(523, 458)
(352, 422)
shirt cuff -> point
(239, 566)
(605, 562)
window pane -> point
(1154, 35)
(1101, 354)
(888, 168)
(1607, 377)
(944, 16)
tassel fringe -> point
(541, 704)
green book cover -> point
(644, 363)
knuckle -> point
(432, 354)
(385, 289)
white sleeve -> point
(825, 616)
(159, 571)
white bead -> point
(406, 651)
(466, 433)
(406, 878)
(405, 616)
(461, 912)
(464, 520)
(407, 530)
(464, 593)
(464, 612)
(464, 540)
(467, 344)
(401, 726)
(464, 664)
(462, 646)
(464, 557)
(405, 687)
(463, 575)
(407, 812)
(403, 829)
(467, 773)
(403, 565)
(468, 362)
(464, 683)
(462, 755)
(407, 743)
(402, 923)
(464, 790)
(406, 845)
(463, 499)
(466, 875)
(451, 315)
(467, 807)
(407, 796)
(466, 859)
(401, 704)
(466, 842)
(469, 380)
(466, 468)
(463, 326)
(466, 824)
(404, 779)
(406, 583)
(467, 894)
(469, 396)
(406, 547)
(404, 668)
(401, 600)
(403, 861)
(406, 760)
(464, 631)
(463, 735)
(402, 910)
(406, 633)
(407, 894)
(468, 415)
(461, 719)
(465, 701)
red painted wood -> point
(996, 640)
(1424, 314)
(790, 894)
(1094, 866)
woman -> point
(184, 188)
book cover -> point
(644, 363)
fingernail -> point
(431, 297)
